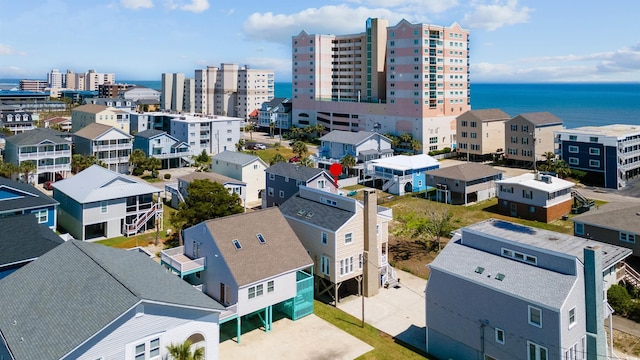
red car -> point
(294, 159)
(48, 185)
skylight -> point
(236, 243)
(500, 276)
(479, 270)
(261, 238)
(301, 212)
(309, 214)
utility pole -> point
(533, 137)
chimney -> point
(370, 274)
(594, 302)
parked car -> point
(48, 185)
(294, 159)
(259, 147)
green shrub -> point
(634, 311)
(138, 171)
(167, 176)
(619, 299)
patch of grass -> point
(384, 346)
(268, 154)
(124, 242)
(150, 179)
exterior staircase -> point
(631, 276)
(389, 277)
(581, 203)
(133, 228)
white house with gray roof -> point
(109, 145)
(339, 233)
(98, 203)
(179, 191)
(251, 263)
(362, 145)
(249, 169)
(284, 179)
(501, 290)
(88, 301)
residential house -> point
(89, 301)
(251, 263)
(157, 143)
(347, 240)
(465, 183)
(35, 239)
(613, 223)
(109, 145)
(84, 115)
(609, 154)
(19, 198)
(362, 145)
(249, 169)
(535, 196)
(214, 134)
(141, 93)
(480, 133)
(529, 136)
(179, 191)
(62, 122)
(284, 179)
(115, 102)
(501, 290)
(98, 203)
(17, 121)
(401, 174)
(276, 111)
(47, 149)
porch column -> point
(238, 328)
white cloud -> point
(410, 6)
(137, 4)
(339, 19)
(196, 6)
(8, 50)
(495, 15)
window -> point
(348, 238)
(324, 265)
(572, 317)
(154, 348)
(527, 194)
(594, 151)
(346, 266)
(573, 137)
(474, 135)
(42, 216)
(140, 353)
(321, 184)
(237, 245)
(514, 127)
(573, 161)
(259, 290)
(525, 128)
(536, 352)
(535, 316)
(360, 261)
(474, 124)
(252, 292)
(281, 193)
(272, 176)
(270, 191)
(593, 139)
(627, 237)
(464, 123)
(270, 286)
(499, 336)
(514, 140)
(578, 228)
(324, 238)
(525, 140)
(573, 149)
(103, 207)
(594, 163)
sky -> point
(515, 41)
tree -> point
(240, 145)
(306, 161)
(277, 158)
(80, 162)
(272, 126)
(138, 161)
(619, 299)
(348, 162)
(300, 148)
(206, 200)
(562, 169)
(202, 161)
(153, 164)
(295, 133)
(427, 224)
(7, 170)
(395, 141)
(183, 351)
(439, 222)
(27, 168)
(416, 145)
(250, 128)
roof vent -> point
(301, 212)
(309, 214)
(500, 276)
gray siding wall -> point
(92, 214)
(82, 145)
(608, 236)
(454, 313)
(11, 153)
(280, 183)
(571, 335)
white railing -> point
(383, 259)
(128, 146)
(115, 160)
(229, 311)
(177, 260)
(57, 167)
(43, 154)
(130, 229)
(171, 155)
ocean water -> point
(577, 104)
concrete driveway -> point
(306, 338)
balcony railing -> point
(44, 154)
(181, 263)
(113, 147)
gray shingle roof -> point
(236, 158)
(150, 133)
(541, 286)
(94, 130)
(91, 108)
(485, 115)
(38, 135)
(26, 196)
(97, 183)
(347, 137)
(276, 101)
(66, 296)
(618, 216)
(34, 240)
(324, 216)
(282, 252)
(541, 118)
(294, 171)
(465, 172)
(211, 176)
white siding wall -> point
(284, 288)
(256, 180)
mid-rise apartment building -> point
(480, 133)
(609, 154)
(529, 136)
(33, 85)
(232, 90)
(56, 79)
(89, 81)
(407, 78)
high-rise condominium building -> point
(407, 78)
(232, 90)
(56, 79)
(177, 93)
(90, 80)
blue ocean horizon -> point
(576, 104)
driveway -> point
(306, 338)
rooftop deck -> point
(181, 263)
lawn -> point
(384, 346)
(268, 154)
(143, 239)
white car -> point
(259, 147)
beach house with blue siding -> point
(401, 174)
(158, 144)
(19, 198)
(362, 145)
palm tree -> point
(562, 169)
(318, 129)
(250, 128)
(295, 133)
(8, 169)
(416, 145)
(306, 161)
(395, 141)
(277, 158)
(202, 161)
(27, 168)
(240, 145)
(300, 148)
(348, 162)
(153, 164)
(183, 351)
